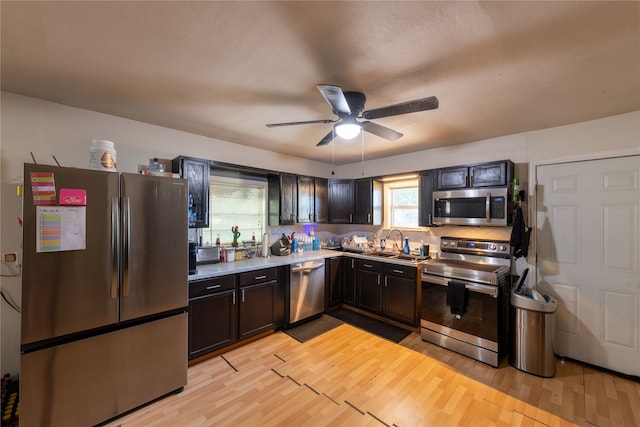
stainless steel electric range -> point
(479, 271)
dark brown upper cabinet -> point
(341, 201)
(321, 200)
(197, 172)
(355, 201)
(425, 194)
(288, 199)
(492, 174)
(306, 202)
(368, 202)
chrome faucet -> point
(395, 245)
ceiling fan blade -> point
(423, 104)
(327, 139)
(335, 97)
(381, 131)
(308, 122)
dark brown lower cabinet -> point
(227, 309)
(213, 315)
(256, 308)
(388, 289)
(349, 280)
(333, 279)
(369, 285)
(399, 293)
(256, 301)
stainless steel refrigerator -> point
(104, 293)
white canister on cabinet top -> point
(102, 155)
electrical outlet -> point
(11, 257)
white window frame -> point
(387, 190)
(225, 234)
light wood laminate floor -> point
(348, 377)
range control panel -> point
(500, 248)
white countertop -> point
(206, 271)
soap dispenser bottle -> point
(406, 250)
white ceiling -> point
(225, 69)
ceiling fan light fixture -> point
(348, 130)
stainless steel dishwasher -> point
(306, 290)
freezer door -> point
(68, 291)
(86, 382)
(154, 261)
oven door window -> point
(481, 318)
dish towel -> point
(520, 235)
(457, 298)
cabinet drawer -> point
(202, 287)
(257, 276)
(401, 271)
(363, 264)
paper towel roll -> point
(265, 245)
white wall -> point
(617, 133)
(46, 129)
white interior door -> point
(588, 256)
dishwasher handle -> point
(299, 268)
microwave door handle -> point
(487, 207)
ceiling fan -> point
(348, 107)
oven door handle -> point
(473, 287)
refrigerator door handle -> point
(115, 228)
(126, 234)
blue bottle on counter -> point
(406, 250)
(294, 245)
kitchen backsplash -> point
(430, 235)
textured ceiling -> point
(225, 69)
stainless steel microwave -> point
(472, 206)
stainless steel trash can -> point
(532, 326)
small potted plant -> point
(236, 234)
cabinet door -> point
(349, 280)
(363, 209)
(369, 290)
(455, 177)
(369, 285)
(321, 200)
(288, 199)
(213, 322)
(333, 281)
(341, 201)
(489, 175)
(256, 308)
(305, 199)
(399, 296)
(425, 202)
(197, 172)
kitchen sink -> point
(411, 257)
(384, 254)
(395, 255)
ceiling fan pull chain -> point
(362, 139)
(333, 151)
